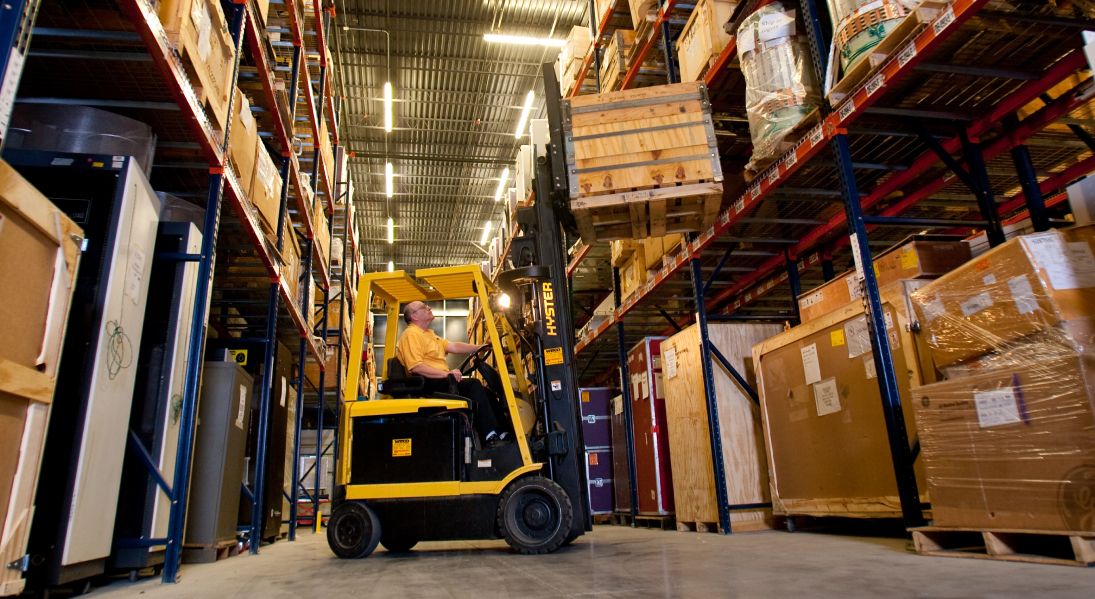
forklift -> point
(411, 466)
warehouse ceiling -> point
(457, 102)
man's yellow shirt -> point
(421, 347)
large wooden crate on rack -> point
(39, 250)
(824, 429)
(642, 162)
(322, 235)
(266, 190)
(614, 63)
(311, 369)
(703, 37)
(243, 142)
(199, 32)
(650, 428)
(743, 452)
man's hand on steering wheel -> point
(468, 365)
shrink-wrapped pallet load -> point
(780, 86)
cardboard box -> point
(824, 429)
(1012, 449)
(917, 257)
(243, 140)
(1019, 288)
(266, 190)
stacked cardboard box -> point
(1009, 439)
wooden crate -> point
(642, 152)
(739, 427)
(837, 463)
(576, 49)
(1030, 546)
(703, 37)
(243, 142)
(614, 63)
(643, 11)
(198, 31)
(39, 250)
(266, 190)
(623, 249)
(322, 236)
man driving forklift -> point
(423, 353)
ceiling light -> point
(391, 230)
(391, 266)
(528, 41)
(524, 114)
(502, 184)
(389, 183)
(486, 234)
(388, 107)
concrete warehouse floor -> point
(621, 562)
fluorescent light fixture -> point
(502, 184)
(388, 107)
(486, 234)
(528, 41)
(391, 230)
(389, 183)
(391, 266)
(524, 114)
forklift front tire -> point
(353, 531)
(534, 515)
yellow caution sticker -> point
(837, 337)
(553, 356)
(585, 396)
(909, 260)
(239, 356)
(401, 448)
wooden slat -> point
(623, 160)
(25, 382)
(627, 95)
(581, 123)
(657, 218)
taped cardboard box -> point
(1019, 288)
(243, 140)
(1013, 449)
(824, 429)
(917, 257)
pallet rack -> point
(117, 55)
(924, 120)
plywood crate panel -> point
(38, 248)
(703, 37)
(739, 426)
(824, 429)
(614, 63)
(634, 152)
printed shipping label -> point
(777, 25)
(669, 356)
(869, 367)
(242, 407)
(746, 41)
(827, 397)
(1069, 265)
(1021, 292)
(976, 304)
(996, 407)
(810, 363)
(855, 289)
(857, 337)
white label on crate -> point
(847, 109)
(284, 390)
(776, 25)
(944, 20)
(754, 191)
(816, 135)
(934, 309)
(907, 54)
(1021, 292)
(875, 83)
(645, 390)
(988, 279)
(827, 397)
(858, 258)
(243, 406)
(245, 114)
(746, 42)
(813, 298)
(134, 273)
(659, 385)
(856, 337)
(996, 407)
(204, 34)
(886, 316)
(669, 357)
(810, 364)
(739, 205)
(791, 159)
(868, 366)
(976, 304)
(1069, 265)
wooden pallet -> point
(1031, 546)
(667, 522)
(599, 519)
(651, 212)
(697, 526)
(207, 554)
(894, 42)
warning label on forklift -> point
(553, 356)
(401, 448)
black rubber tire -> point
(353, 531)
(397, 544)
(535, 515)
(570, 539)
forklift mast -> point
(539, 257)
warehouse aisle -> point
(619, 562)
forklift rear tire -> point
(534, 515)
(353, 531)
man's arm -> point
(433, 373)
(455, 347)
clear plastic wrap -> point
(1009, 439)
(780, 86)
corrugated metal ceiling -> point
(457, 103)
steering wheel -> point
(468, 365)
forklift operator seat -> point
(400, 385)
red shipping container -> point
(654, 478)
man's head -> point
(418, 313)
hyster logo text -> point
(549, 310)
